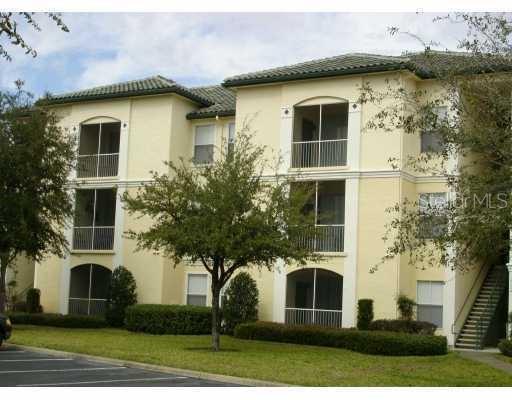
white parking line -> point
(109, 381)
(39, 359)
(60, 370)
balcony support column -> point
(350, 247)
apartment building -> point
(309, 113)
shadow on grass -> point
(209, 349)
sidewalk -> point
(488, 357)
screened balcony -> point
(320, 136)
(328, 205)
(88, 289)
(98, 150)
(95, 211)
(314, 297)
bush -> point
(405, 326)
(34, 301)
(505, 347)
(364, 313)
(121, 294)
(240, 303)
(405, 307)
(161, 319)
(58, 320)
(368, 342)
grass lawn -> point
(279, 362)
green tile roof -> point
(344, 64)
(360, 63)
(223, 99)
(148, 86)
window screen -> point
(433, 220)
(430, 302)
(204, 143)
(196, 289)
(430, 139)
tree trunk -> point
(216, 318)
(4, 259)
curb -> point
(158, 368)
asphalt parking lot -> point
(19, 367)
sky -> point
(199, 49)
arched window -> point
(88, 289)
(314, 296)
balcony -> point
(97, 165)
(319, 153)
(95, 212)
(98, 151)
(330, 239)
(93, 237)
(314, 296)
(320, 135)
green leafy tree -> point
(10, 30)
(474, 156)
(122, 292)
(240, 303)
(36, 157)
(227, 215)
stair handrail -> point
(497, 291)
(473, 286)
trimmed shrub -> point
(368, 342)
(505, 346)
(405, 307)
(364, 313)
(402, 325)
(57, 320)
(34, 301)
(121, 294)
(160, 319)
(240, 303)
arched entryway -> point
(314, 296)
(88, 289)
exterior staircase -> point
(476, 326)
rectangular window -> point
(430, 139)
(204, 144)
(430, 302)
(231, 137)
(432, 218)
(197, 287)
(98, 150)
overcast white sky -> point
(196, 49)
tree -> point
(475, 138)
(36, 157)
(227, 215)
(240, 303)
(122, 292)
(9, 24)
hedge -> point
(405, 326)
(57, 320)
(162, 319)
(368, 342)
(505, 347)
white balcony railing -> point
(85, 306)
(97, 165)
(330, 239)
(93, 238)
(312, 316)
(319, 153)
